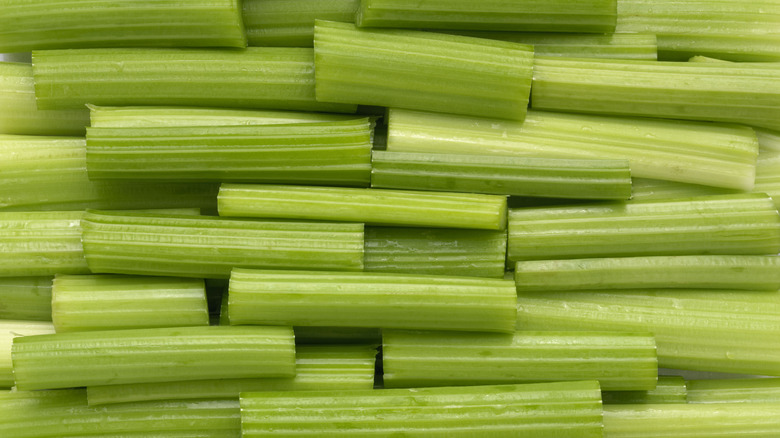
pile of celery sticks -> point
(385, 218)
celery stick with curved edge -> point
(669, 389)
(421, 70)
(25, 298)
(113, 357)
(734, 390)
(290, 23)
(9, 329)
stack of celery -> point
(338, 218)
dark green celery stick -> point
(9, 329)
(290, 23)
(116, 357)
(274, 78)
(337, 335)
(734, 390)
(209, 247)
(645, 189)
(25, 298)
(422, 70)
(745, 224)
(571, 409)
(702, 330)
(619, 361)
(318, 368)
(670, 389)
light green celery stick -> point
(746, 93)
(337, 335)
(18, 112)
(371, 206)
(702, 330)
(209, 247)
(518, 176)
(9, 329)
(435, 251)
(768, 174)
(734, 390)
(670, 389)
(768, 139)
(114, 357)
(746, 224)
(421, 70)
(571, 409)
(692, 152)
(290, 23)
(318, 368)
(619, 361)
(596, 16)
(646, 189)
(25, 298)
(273, 78)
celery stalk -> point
(290, 23)
(768, 174)
(9, 329)
(646, 189)
(25, 298)
(734, 390)
(768, 139)
(670, 389)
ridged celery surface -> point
(734, 390)
(290, 23)
(318, 368)
(209, 247)
(60, 24)
(595, 16)
(114, 357)
(258, 77)
(619, 361)
(768, 174)
(328, 153)
(337, 335)
(312, 298)
(692, 152)
(371, 206)
(113, 302)
(25, 298)
(768, 139)
(435, 251)
(669, 389)
(518, 176)
(744, 224)
(646, 189)
(746, 93)
(571, 409)
(741, 272)
(702, 330)
(9, 329)
(422, 70)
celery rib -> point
(290, 23)
(25, 298)
(9, 329)
(669, 389)
(734, 390)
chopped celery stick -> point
(337, 335)
(422, 70)
(518, 176)
(768, 139)
(209, 247)
(734, 390)
(273, 78)
(357, 299)
(670, 389)
(435, 251)
(318, 368)
(547, 410)
(25, 298)
(702, 330)
(290, 23)
(768, 174)
(646, 189)
(9, 329)
(692, 152)
(112, 302)
(371, 206)
(745, 224)
(114, 357)
(619, 361)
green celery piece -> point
(61, 24)
(269, 78)
(518, 176)
(571, 409)
(337, 335)
(736, 272)
(646, 189)
(25, 298)
(114, 357)
(371, 206)
(692, 152)
(435, 251)
(9, 329)
(725, 331)
(594, 16)
(421, 70)
(209, 247)
(318, 368)
(670, 389)
(768, 139)
(743, 224)
(734, 390)
(768, 174)
(746, 93)
(290, 23)
(619, 361)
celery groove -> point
(290, 23)
(25, 298)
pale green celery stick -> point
(25, 298)
(209, 247)
(746, 93)
(272, 78)
(619, 361)
(371, 206)
(422, 70)
(518, 176)
(356, 299)
(595, 16)
(318, 368)
(113, 302)
(669, 389)
(702, 330)
(60, 24)
(9, 329)
(734, 390)
(768, 139)
(18, 112)
(768, 174)
(646, 189)
(547, 410)
(435, 251)
(290, 23)
(337, 335)
(692, 152)
(744, 224)
(114, 357)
